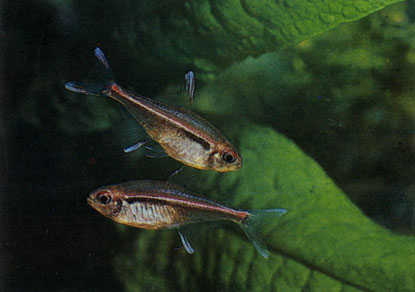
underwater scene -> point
(207, 145)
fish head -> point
(225, 158)
(106, 201)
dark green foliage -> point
(323, 241)
(293, 103)
(346, 99)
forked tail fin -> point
(251, 227)
(95, 90)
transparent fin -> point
(75, 87)
(98, 87)
(256, 241)
(253, 223)
(151, 154)
(189, 79)
(188, 232)
(135, 147)
(133, 136)
(155, 151)
(176, 172)
(101, 57)
(186, 241)
(107, 73)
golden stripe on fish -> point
(184, 135)
(157, 205)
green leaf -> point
(207, 36)
(167, 37)
(213, 34)
(324, 242)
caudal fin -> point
(94, 90)
(252, 224)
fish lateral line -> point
(209, 206)
(163, 205)
(184, 135)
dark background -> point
(56, 146)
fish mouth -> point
(227, 169)
(90, 201)
(230, 168)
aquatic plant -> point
(324, 242)
(297, 90)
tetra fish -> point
(163, 205)
(184, 135)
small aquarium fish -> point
(160, 205)
(182, 134)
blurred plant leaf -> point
(168, 37)
(324, 242)
(224, 32)
(211, 35)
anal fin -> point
(189, 79)
(133, 136)
(186, 241)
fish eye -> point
(104, 198)
(229, 157)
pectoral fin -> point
(135, 146)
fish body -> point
(157, 205)
(184, 135)
(163, 205)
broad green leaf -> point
(323, 243)
(214, 34)
(166, 38)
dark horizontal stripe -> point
(132, 200)
(199, 206)
(197, 139)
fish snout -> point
(90, 200)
